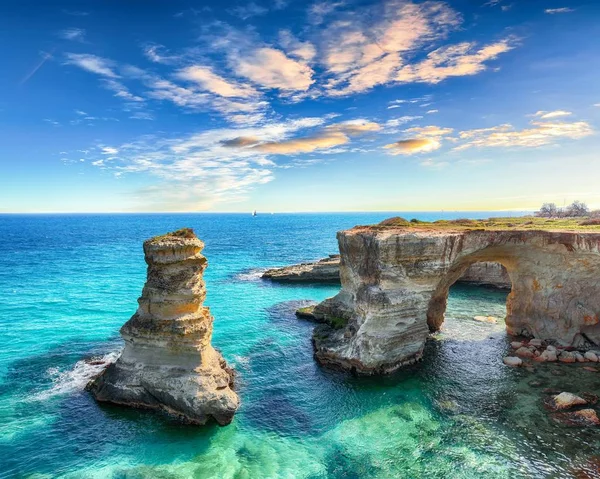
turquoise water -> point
(67, 283)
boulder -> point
(591, 356)
(525, 352)
(513, 361)
(536, 343)
(516, 344)
(567, 357)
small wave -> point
(243, 361)
(251, 275)
(75, 379)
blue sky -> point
(287, 105)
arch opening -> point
(471, 271)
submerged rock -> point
(168, 362)
(583, 417)
(566, 400)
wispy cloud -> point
(159, 54)
(553, 11)
(73, 34)
(200, 170)
(453, 61)
(248, 10)
(539, 133)
(93, 64)
(210, 81)
(545, 115)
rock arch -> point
(395, 283)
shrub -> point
(395, 221)
(591, 222)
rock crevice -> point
(168, 362)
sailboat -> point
(254, 213)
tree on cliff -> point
(575, 209)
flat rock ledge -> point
(326, 270)
(168, 362)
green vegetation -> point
(335, 322)
(504, 223)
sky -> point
(289, 105)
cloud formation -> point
(545, 115)
(271, 68)
(421, 140)
(451, 61)
(93, 64)
(210, 81)
(72, 34)
(554, 11)
(540, 133)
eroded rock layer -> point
(327, 270)
(168, 362)
(395, 285)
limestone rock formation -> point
(168, 362)
(395, 283)
(327, 270)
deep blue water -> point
(67, 284)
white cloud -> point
(553, 11)
(544, 115)
(121, 90)
(271, 68)
(360, 54)
(92, 63)
(452, 61)
(539, 133)
(73, 34)
(434, 165)
(430, 112)
(248, 10)
(210, 81)
(158, 54)
(200, 170)
(305, 51)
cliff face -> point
(168, 362)
(327, 270)
(395, 285)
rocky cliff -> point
(327, 270)
(395, 285)
(168, 362)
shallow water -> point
(68, 283)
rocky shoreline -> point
(168, 362)
(327, 270)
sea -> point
(68, 283)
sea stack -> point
(168, 362)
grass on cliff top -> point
(504, 223)
(180, 233)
